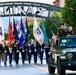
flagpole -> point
(27, 34)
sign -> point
(14, 10)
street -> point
(28, 69)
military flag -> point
(10, 33)
(2, 37)
(22, 26)
(27, 33)
(44, 32)
(15, 31)
(37, 32)
(21, 35)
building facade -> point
(59, 3)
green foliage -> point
(69, 13)
(30, 26)
(52, 26)
(6, 36)
(49, 26)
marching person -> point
(41, 51)
(47, 48)
(29, 51)
(16, 51)
(10, 53)
(0, 52)
(26, 51)
(36, 49)
(5, 53)
(22, 50)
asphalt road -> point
(28, 69)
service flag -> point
(44, 32)
(37, 32)
(15, 31)
(27, 31)
(22, 26)
(21, 35)
(2, 37)
(10, 33)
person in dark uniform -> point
(16, 51)
(26, 51)
(47, 48)
(10, 53)
(22, 50)
(62, 31)
(0, 52)
(36, 49)
(41, 51)
(29, 51)
(5, 53)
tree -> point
(52, 26)
(49, 26)
(69, 13)
(30, 26)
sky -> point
(5, 19)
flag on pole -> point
(14, 28)
(10, 33)
(44, 32)
(37, 32)
(15, 31)
(2, 37)
(22, 26)
(21, 35)
(27, 26)
(27, 31)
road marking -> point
(42, 68)
(39, 67)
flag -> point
(44, 32)
(37, 32)
(27, 33)
(27, 27)
(14, 28)
(22, 27)
(15, 31)
(10, 33)
(2, 37)
(21, 35)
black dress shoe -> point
(16, 63)
(35, 62)
(10, 64)
(41, 62)
(29, 62)
(23, 62)
(5, 64)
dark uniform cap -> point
(62, 24)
